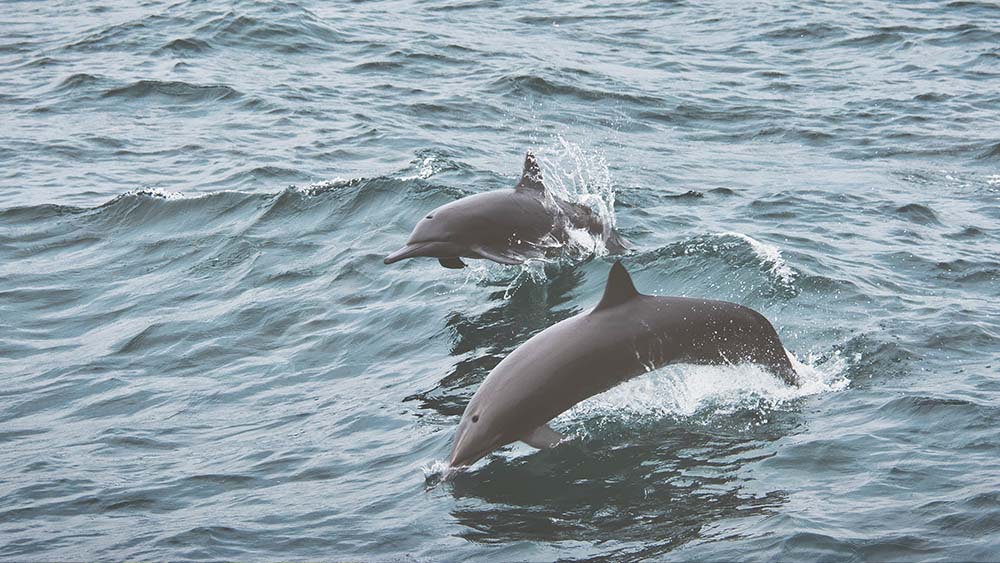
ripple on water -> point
(174, 91)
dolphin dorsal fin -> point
(531, 178)
(619, 289)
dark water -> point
(203, 356)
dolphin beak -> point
(433, 249)
(408, 251)
(469, 446)
(461, 452)
(453, 462)
(462, 458)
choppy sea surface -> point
(203, 357)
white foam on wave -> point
(322, 186)
(428, 166)
(769, 254)
(683, 391)
(159, 193)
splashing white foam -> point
(501, 275)
(323, 186)
(153, 192)
(686, 390)
(577, 176)
(428, 166)
(436, 471)
(582, 244)
(769, 254)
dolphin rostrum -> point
(506, 226)
(625, 335)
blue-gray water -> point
(203, 357)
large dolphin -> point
(625, 335)
(506, 226)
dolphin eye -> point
(429, 217)
(475, 418)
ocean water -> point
(203, 357)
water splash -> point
(323, 186)
(427, 164)
(437, 471)
(485, 272)
(158, 193)
(705, 392)
(578, 176)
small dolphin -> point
(625, 335)
(506, 226)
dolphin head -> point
(441, 234)
(479, 433)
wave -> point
(768, 254)
(879, 39)
(184, 46)
(917, 213)
(429, 162)
(175, 91)
(80, 80)
(736, 250)
(283, 28)
(809, 32)
(519, 85)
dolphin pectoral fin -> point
(490, 254)
(452, 263)
(543, 437)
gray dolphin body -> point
(625, 335)
(506, 226)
